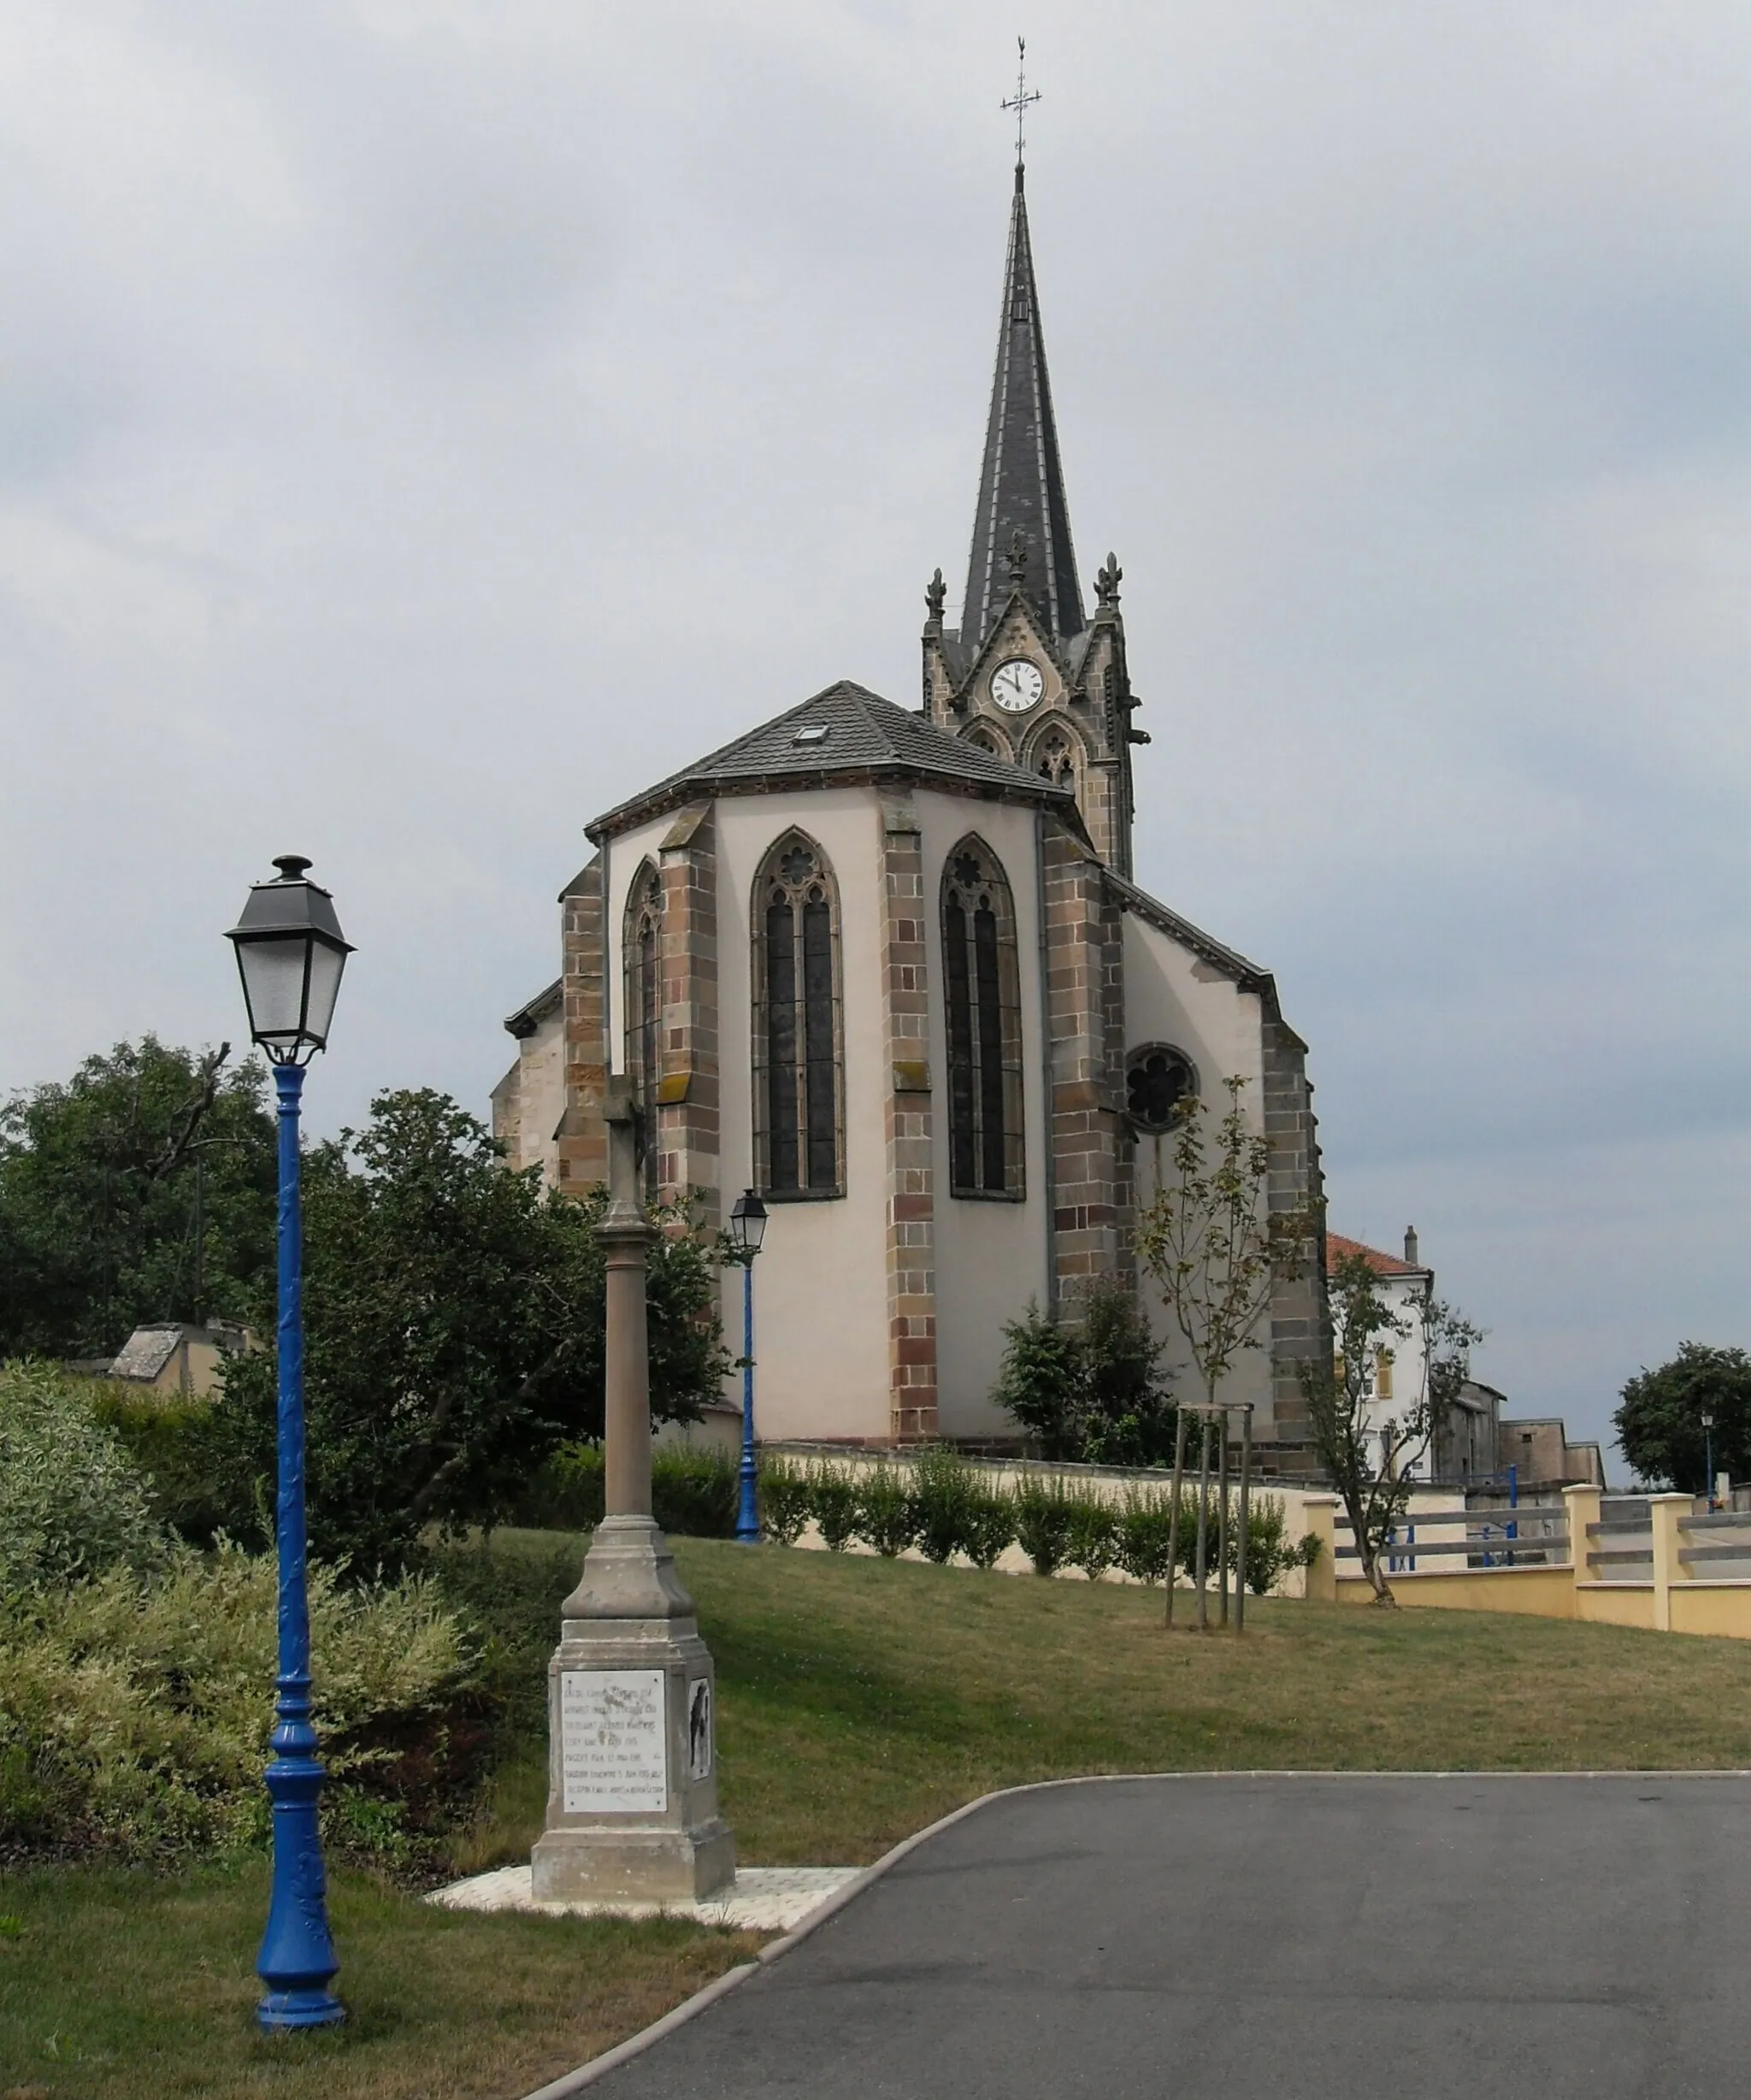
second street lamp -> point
(290, 953)
(1708, 1454)
(747, 1228)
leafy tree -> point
(454, 1321)
(1094, 1392)
(1371, 1459)
(1660, 1423)
(140, 1189)
(1210, 1240)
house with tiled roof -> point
(891, 968)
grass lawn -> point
(857, 1699)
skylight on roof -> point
(812, 733)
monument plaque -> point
(615, 1742)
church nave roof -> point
(842, 735)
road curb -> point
(635, 2045)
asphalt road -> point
(1223, 1938)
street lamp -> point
(747, 1228)
(1709, 1449)
(289, 954)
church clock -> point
(1016, 685)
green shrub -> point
(567, 1492)
(71, 1502)
(835, 1502)
(1045, 1515)
(1094, 1391)
(944, 1489)
(134, 1713)
(988, 1525)
(887, 1510)
(694, 1491)
(1268, 1556)
(176, 1444)
(1093, 1543)
(1142, 1534)
(785, 1504)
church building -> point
(890, 968)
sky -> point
(423, 425)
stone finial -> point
(1018, 558)
(1106, 583)
(936, 591)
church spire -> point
(1021, 483)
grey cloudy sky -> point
(424, 422)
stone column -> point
(911, 1201)
(632, 1803)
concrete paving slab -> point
(1305, 1938)
(761, 1899)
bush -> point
(1140, 1534)
(134, 1714)
(989, 1526)
(1045, 1515)
(73, 1502)
(176, 1444)
(694, 1491)
(567, 1491)
(887, 1510)
(944, 1490)
(785, 1502)
(1093, 1543)
(836, 1505)
(1093, 1393)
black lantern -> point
(747, 1224)
(290, 953)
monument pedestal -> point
(632, 1802)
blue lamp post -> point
(747, 1228)
(290, 953)
(1708, 1454)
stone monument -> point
(632, 1801)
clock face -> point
(1016, 685)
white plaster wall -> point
(1173, 996)
(1403, 1296)
(991, 1257)
(821, 1282)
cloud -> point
(420, 426)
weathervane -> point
(1022, 100)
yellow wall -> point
(1546, 1592)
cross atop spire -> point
(1021, 101)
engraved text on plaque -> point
(613, 1740)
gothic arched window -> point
(642, 950)
(798, 1057)
(983, 738)
(982, 976)
(1159, 1081)
(1054, 758)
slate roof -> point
(1021, 481)
(844, 734)
(527, 1019)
